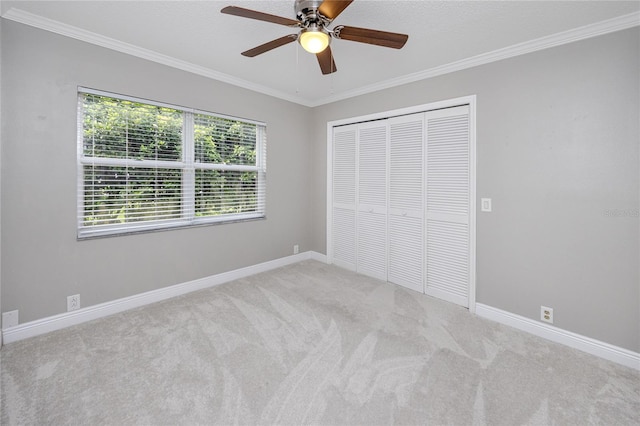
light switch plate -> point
(485, 204)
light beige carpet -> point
(308, 344)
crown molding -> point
(71, 31)
(576, 34)
(581, 33)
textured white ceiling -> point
(440, 32)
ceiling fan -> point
(313, 18)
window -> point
(144, 166)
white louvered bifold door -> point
(343, 221)
(372, 199)
(448, 204)
(406, 201)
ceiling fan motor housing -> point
(307, 12)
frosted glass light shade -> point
(314, 40)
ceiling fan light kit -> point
(314, 39)
(313, 18)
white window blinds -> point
(145, 166)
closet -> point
(401, 200)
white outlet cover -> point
(73, 302)
(546, 314)
(485, 204)
(9, 319)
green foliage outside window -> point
(118, 130)
(219, 140)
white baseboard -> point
(586, 344)
(314, 255)
(67, 319)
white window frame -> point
(188, 165)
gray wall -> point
(557, 146)
(43, 262)
(1, 125)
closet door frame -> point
(465, 100)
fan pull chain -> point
(297, 69)
(332, 75)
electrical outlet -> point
(73, 302)
(546, 314)
(9, 319)
(296, 249)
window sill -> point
(92, 234)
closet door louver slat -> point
(344, 197)
(372, 200)
(406, 201)
(448, 204)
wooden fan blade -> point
(332, 8)
(270, 45)
(364, 35)
(325, 59)
(260, 16)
